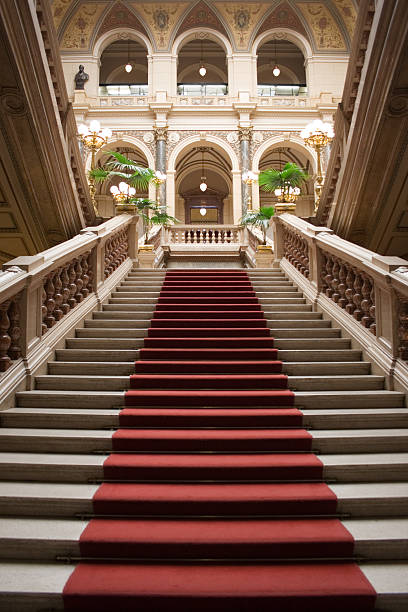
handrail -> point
(367, 292)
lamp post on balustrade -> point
(124, 197)
(93, 139)
(158, 179)
(249, 178)
(317, 135)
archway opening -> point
(203, 164)
(114, 79)
(288, 58)
(276, 157)
(202, 69)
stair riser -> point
(95, 355)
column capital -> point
(160, 133)
(245, 133)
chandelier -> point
(93, 138)
(123, 193)
(318, 135)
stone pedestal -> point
(146, 257)
(285, 207)
(264, 257)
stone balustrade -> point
(43, 296)
(366, 293)
(204, 234)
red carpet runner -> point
(212, 497)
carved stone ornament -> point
(398, 105)
(174, 137)
(232, 137)
(148, 137)
(257, 137)
(160, 133)
(12, 101)
(245, 133)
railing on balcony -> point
(282, 90)
(202, 89)
(123, 89)
(204, 234)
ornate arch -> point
(286, 34)
(201, 33)
(106, 39)
(128, 140)
(222, 144)
(295, 142)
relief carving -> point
(325, 30)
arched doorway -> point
(276, 157)
(199, 164)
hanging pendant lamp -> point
(276, 70)
(202, 69)
(128, 66)
(203, 185)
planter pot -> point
(146, 256)
(285, 207)
(264, 256)
(126, 208)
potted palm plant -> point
(260, 219)
(285, 183)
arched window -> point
(202, 69)
(114, 79)
(281, 70)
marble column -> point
(160, 134)
(245, 134)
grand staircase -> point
(222, 490)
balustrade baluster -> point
(350, 278)
(15, 329)
(335, 280)
(403, 327)
(65, 307)
(5, 339)
(329, 277)
(342, 286)
(44, 327)
(358, 296)
(50, 301)
(366, 303)
(58, 297)
(78, 281)
(72, 286)
(373, 326)
(85, 275)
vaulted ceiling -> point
(328, 24)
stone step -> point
(353, 399)
(343, 442)
(326, 355)
(320, 368)
(128, 308)
(276, 324)
(295, 383)
(299, 332)
(299, 343)
(46, 539)
(293, 315)
(104, 343)
(110, 315)
(82, 382)
(117, 323)
(134, 301)
(89, 418)
(306, 399)
(115, 332)
(30, 587)
(288, 307)
(73, 499)
(268, 300)
(95, 368)
(70, 399)
(86, 355)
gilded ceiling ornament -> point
(81, 26)
(242, 18)
(59, 9)
(245, 133)
(160, 133)
(326, 32)
(348, 14)
(161, 18)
